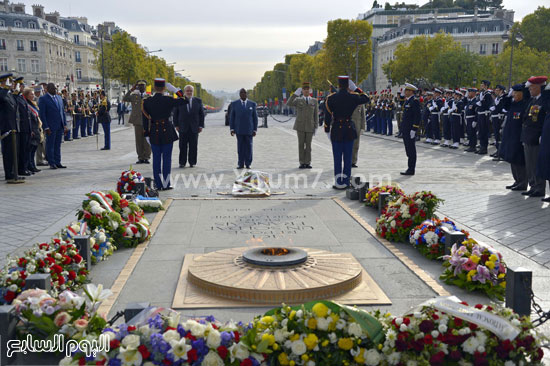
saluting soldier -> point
(341, 129)
(9, 123)
(135, 96)
(160, 130)
(543, 163)
(307, 120)
(409, 125)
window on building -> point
(32, 25)
(482, 49)
(79, 74)
(21, 65)
(35, 66)
(3, 64)
(467, 30)
(73, 26)
(483, 29)
(427, 31)
(497, 28)
(18, 24)
(45, 25)
(20, 45)
(466, 47)
(455, 29)
(76, 39)
(2, 44)
(2, 23)
(77, 56)
(494, 49)
(34, 46)
(415, 31)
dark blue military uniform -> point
(410, 122)
(456, 121)
(531, 133)
(483, 104)
(9, 121)
(434, 130)
(162, 134)
(543, 163)
(470, 115)
(338, 122)
(497, 116)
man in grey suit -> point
(359, 119)
(307, 120)
(243, 122)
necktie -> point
(244, 106)
(189, 106)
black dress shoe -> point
(354, 165)
(42, 164)
(76, 138)
(309, 166)
(26, 174)
(527, 193)
(240, 167)
(519, 188)
(248, 167)
(408, 172)
(339, 188)
(105, 148)
(53, 167)
(481, 152)
(497, 158)
(167, 188)
(35, 170)
(536, 194)
(547, 199)
(302, 166)
(470, 149)
(182, 166)
(494, 155)
(61, 166)
(191, 166)
(139, 162)
(146, 161)
(511, 186)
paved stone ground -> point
(472, 186)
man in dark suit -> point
(160, 130)
(409, 125)
(9, 125)
(243, 122)
(52, 115)
(189, 121)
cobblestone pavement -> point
(472, 186)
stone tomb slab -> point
(240, 224)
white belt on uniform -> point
(485, 113)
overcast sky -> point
(228, 44)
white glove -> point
(413, 134)
(547, 87)
(352, 85)
(504, 111)
(478, 103)
(171, 88)
(298, 92)
(492, 108)
(431, 108)
(512, 91)
(474, 124)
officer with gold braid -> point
(341, 129)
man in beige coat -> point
(307, 120)
(358, 117)
(135, 97)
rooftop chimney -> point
(53, 17)
(38, 11)
(18, 8)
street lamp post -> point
(101, 35)
(512, 37)
(357, 42)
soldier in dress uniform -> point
(446, 118)
(358, 117)
(25, 129)
(307, 120)
(531, 135)
(67, 109)
(455, 118)
(409, 125)
(9, 124)
(470, 116)
(483, 103)
(160, 130)
(434, 130)
(425, 108)
(511, 148)
(543, 163)
(341, 129)
(135, 96)
(497, 116)
(399, 102)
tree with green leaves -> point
(457, 67)
(527, 62)
(123, 58)
(535, 29)
(413, 61)
(345, 38)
